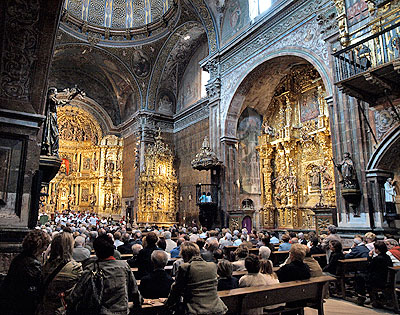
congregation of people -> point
(50, 275)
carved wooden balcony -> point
(370, 69)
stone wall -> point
(187, 144)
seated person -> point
(211, 246)
(225, 280)
(203, 197)
(297, 269)
(315, 268)
(132, 262)
(157, 283)
(266, 268)
(175, 253)
(358, 249)
(208, 197)
(376, 276)
(80, 253)
(393, 251)
(336, 255)
(255, 278)
(241, 253)
(285, 245)
(316, 247)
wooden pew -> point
(240, 299)
(278, 258)
(347, 269)
(394, 287)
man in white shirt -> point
(170, 243)
(390, 196)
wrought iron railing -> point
(371, 52)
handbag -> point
(180, 307)
(88, 293)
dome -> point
(119, 14)
(122, 21)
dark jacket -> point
(359, 251)
(20, 289)
(296, 270)
(227, 283)
(333, 262)
(316, 250)
(144, 264)
(156, 284)
(119, 287)
(378, 270)
(199, 286)
(126, 248)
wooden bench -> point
(278, 258)
(239, 300)
(346, 269)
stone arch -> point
(231, 102)
(386, 155)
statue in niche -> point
(268, 130)
(292, 184)
(165, 106)
(92, 199)
(315, 178)
(347, 172)
(50, 140)
(140, 64)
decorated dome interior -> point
(118, 14)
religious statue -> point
(92, 199)
(268, 130)
(50, 140)
(347, 172)
(165, 105)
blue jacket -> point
(176, 252)
(360, 251)
(284, 247)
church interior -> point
(279, 115)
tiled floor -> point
(336, 307)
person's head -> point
(212, 244)
(389, 180)
(159, 258)
(200, 242)
(126, 237)
(315, 241)
(297, 252)
(332, 229)
(103, 246)
(62, 246)
(79, 241)
(117, 235)
(300, 235)
(369, 237)
(218, 254)
(136, 248)
(224, 269)
(189, 250)
(180, 241)
(242, 252)
(266, 240)
(151, 239)
(380, 247)
(35, 242)
(266, 267)
(294, 240)
(335, 246)
(167, 235)
(252, 263)
(357, 241)
(162, 243)
(264, 252)
(285, 238)
(292, 234)
(390, 243)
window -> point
(257, 7)
(205, 76)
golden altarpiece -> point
(297, 171)
(158, 185)
(90, 176)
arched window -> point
(257, 7)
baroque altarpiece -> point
(297, 170)
(158, 185)
(90, 176)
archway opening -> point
(284, 143)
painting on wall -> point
(309, 105)
(357, 10)
(249, 128)
(236, 18)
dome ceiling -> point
(118, 14)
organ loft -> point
(285, 114)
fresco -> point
(249, 128)
(357, 10)
(309, 105)
(236, 18)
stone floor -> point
(336, 306)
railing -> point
(371, 52)
(206, 194)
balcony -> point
(370, 69)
